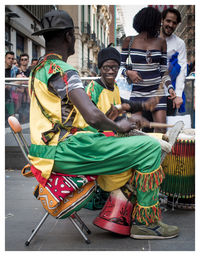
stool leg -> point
(80, 231)
(36, 229)
(83, 226)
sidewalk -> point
(23, 212)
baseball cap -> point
(55, 20)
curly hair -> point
(147, 20)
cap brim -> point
(43, 31)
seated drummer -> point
(104, 92)
(58, 145)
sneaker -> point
(157, 230)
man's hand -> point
(151, 103)
(116, 110)
(138, 121)
(113, 112)
(177, 102)
(134, 76)
(125, 125)
(172, 94)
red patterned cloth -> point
(61, 185)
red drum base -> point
(116, 214)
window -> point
(89, 14)
(98, 29)
(8, 43)
(94, 21)
(19, 45)
(38, 10)
(82, 55)
(82, 18)
(34, 51)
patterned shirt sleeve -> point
(57, 85)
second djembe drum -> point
(179, 168)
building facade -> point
(20, 22)
(96, 26)
(92, 34)
(186, 29)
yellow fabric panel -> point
(79, 121)
(44, 165)
(115, 181)
(107, 98)
(38, 122)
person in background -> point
(9, 59)
(34, 62)
(15, 63)
(24, 71)
(149, 62)
(22, 104)
(177, 60)
(9, 72)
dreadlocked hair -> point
(147, 20)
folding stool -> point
(73, 217)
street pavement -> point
(23, 212)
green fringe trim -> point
(149, 181)
(146, 215)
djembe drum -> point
(179, 168)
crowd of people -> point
(82, 128)
(16, 96)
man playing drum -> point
(57, 145)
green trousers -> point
(96, 154)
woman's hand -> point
(134, 76)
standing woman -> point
(149, 61)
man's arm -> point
(93, 116)
(180, 80)
(77, 95)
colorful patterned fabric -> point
(62, 185)
(102, 98)
(146, 210)
(41, 155)
(72, 203)
(179, 168)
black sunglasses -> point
(107, 68)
